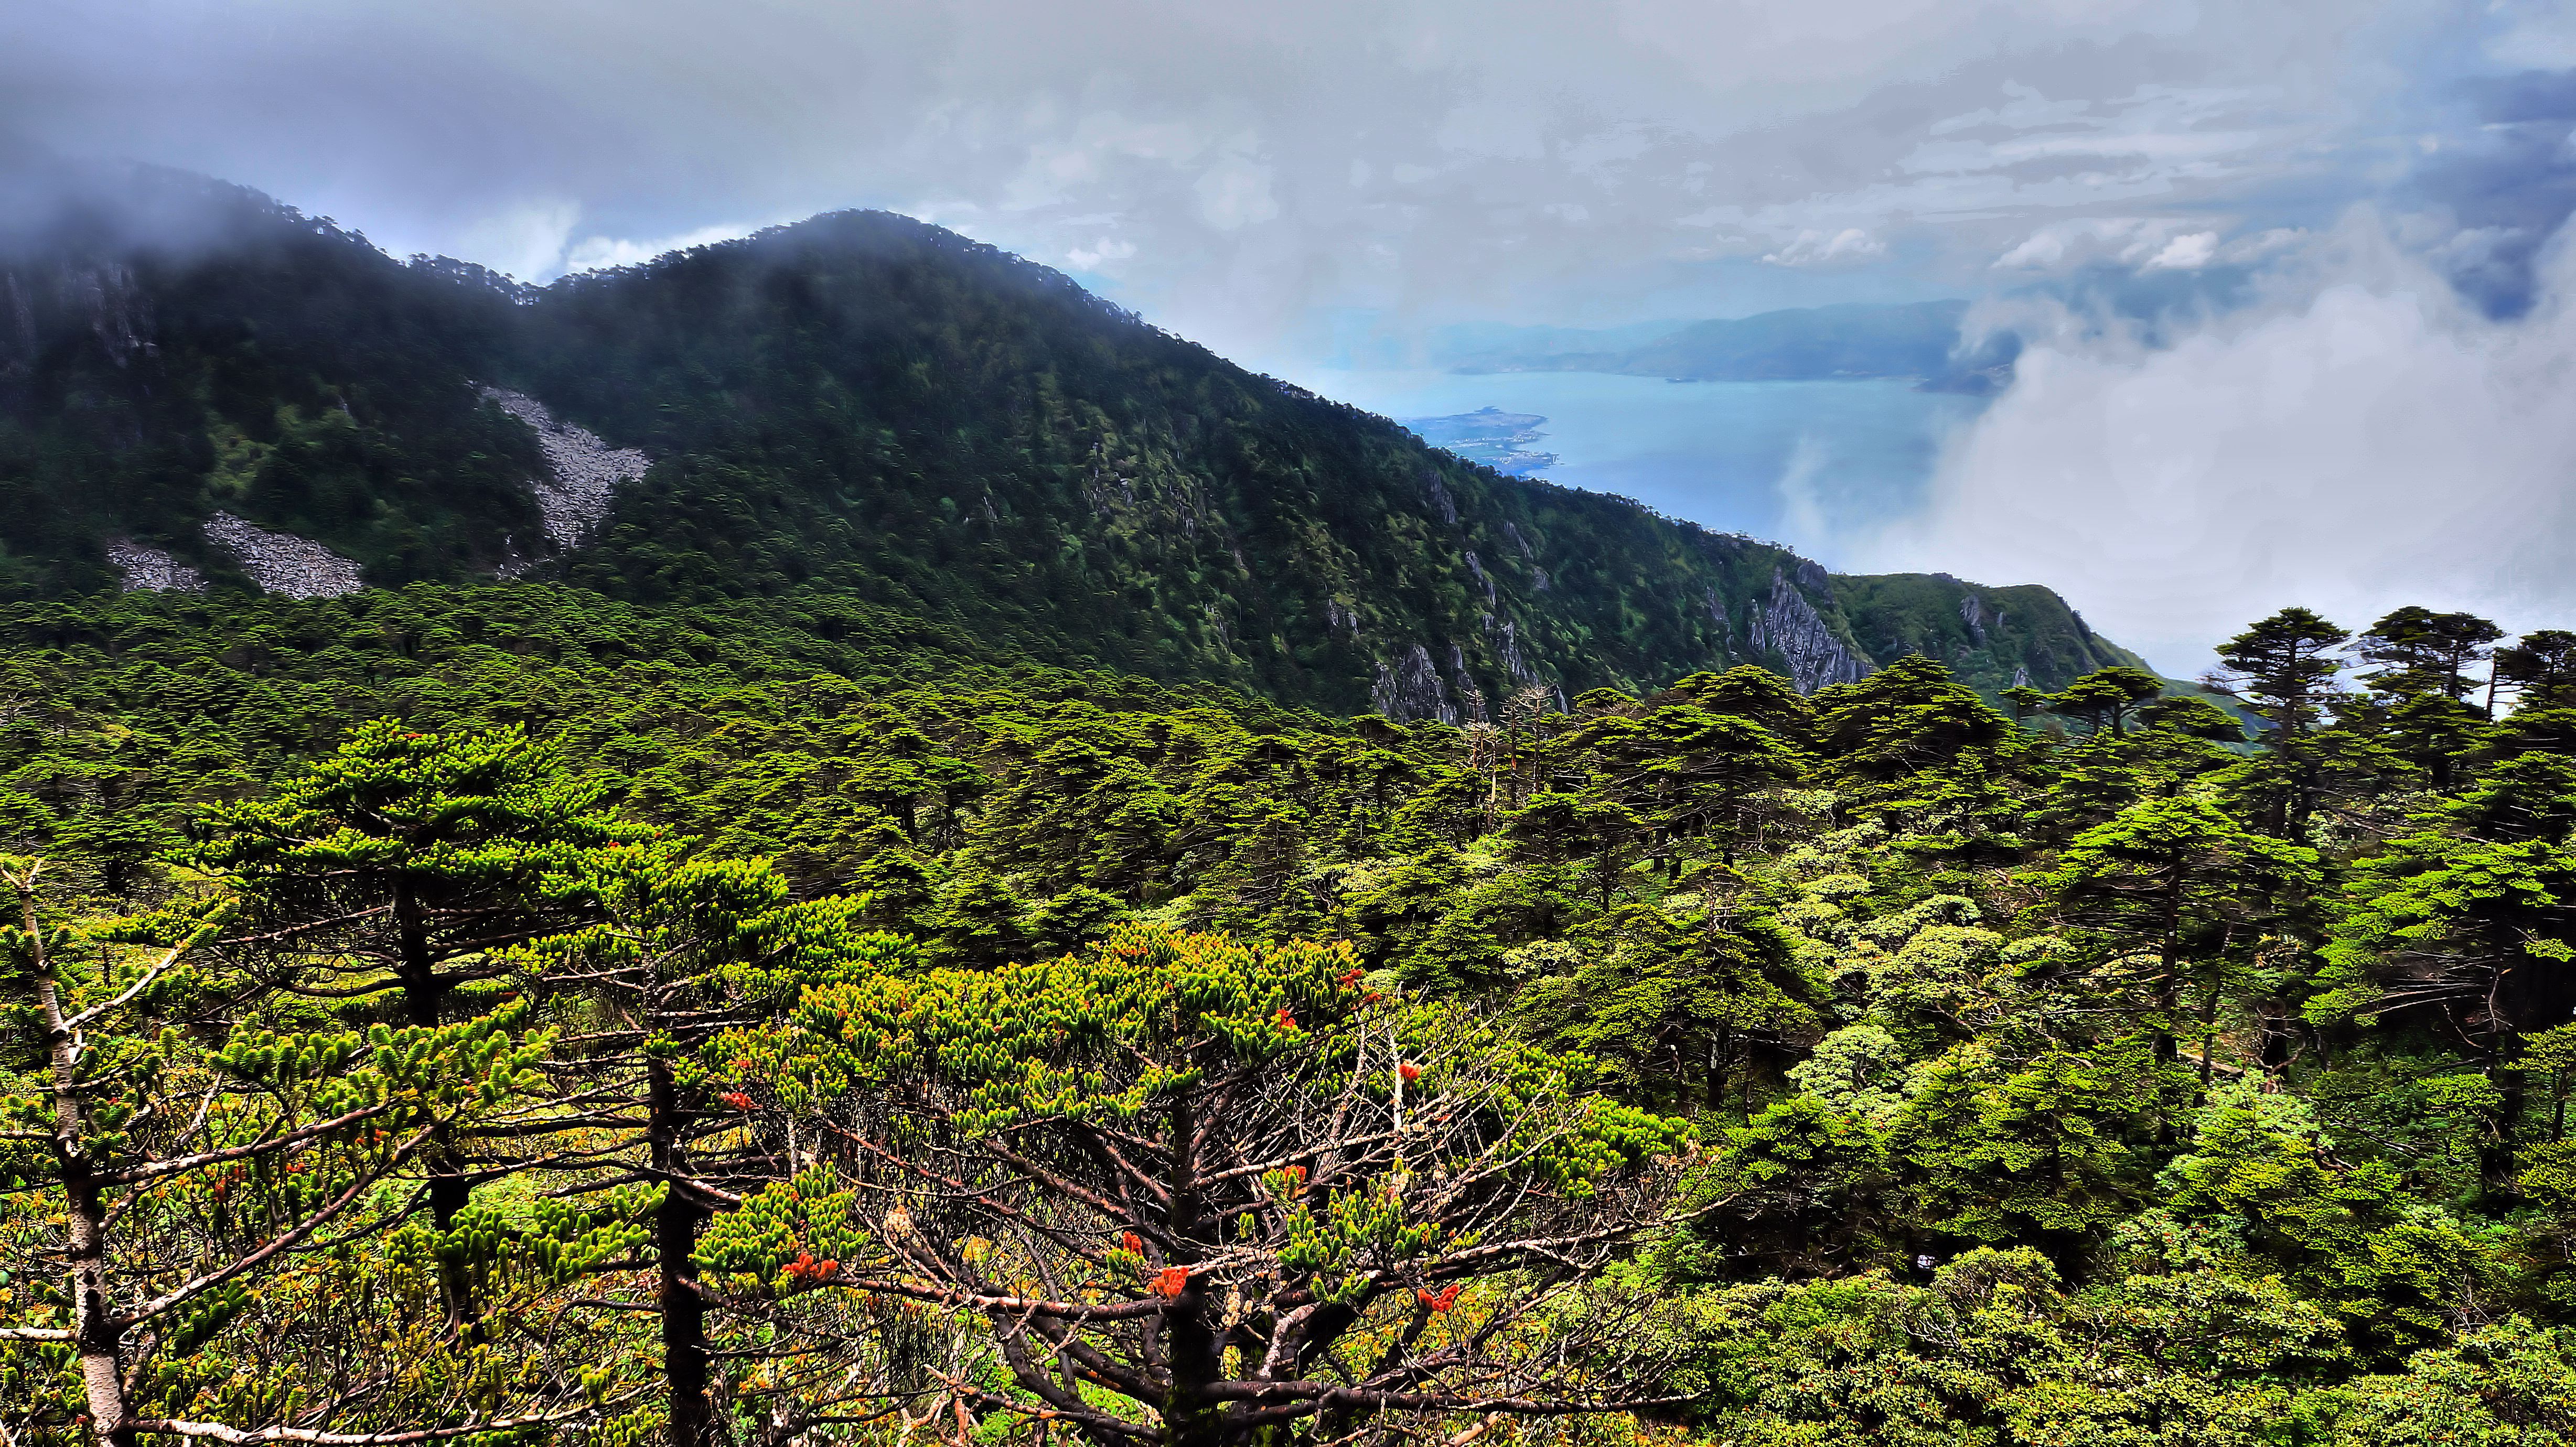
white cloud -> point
(1280, 163)
(1263, 155)
(2187, 252)
(594, 253)
(2375, 443)
(526, 241)
(1235, 192)
(1106, 249)
(1816, 248)
(2124, 240)
(2537, 34)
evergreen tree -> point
(1207, 1181)
(685, 950)
(2105, 697)
(191, 1270)
(400, 870)
(2415, 650)
(2283, 667)
(2185, 892)
(2541, 666)
(2284, 670)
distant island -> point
(1491, 436)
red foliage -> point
(736, 1099)
(1128, 1240)
(1171, 1281)
(806, 1268)
(1439, 1301)
(1410, 1071)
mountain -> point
(1917, 340)
(200, 387)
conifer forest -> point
(1021, 885)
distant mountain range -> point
(201, 388)
(1918, 341)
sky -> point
(2300, 298)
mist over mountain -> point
(868, 406)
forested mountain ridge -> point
(866, 406)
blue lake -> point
(1816, 465)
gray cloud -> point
(1237, 170)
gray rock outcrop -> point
(1441, 502)
(1973, 613)
(583, 471)
(283, 563)
(1476, 566)
(1409, 688)
(1789, 625)
(150, 570)
(1471, 699)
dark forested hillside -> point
(863, 406)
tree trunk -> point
(2208, 1036)
(2168, 999)
(2496, 1159)
(97, 1335)
(2276, 1038)
(424, 1002)
(675, 1229)
(1192, 1349)
(1718, 1051)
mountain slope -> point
(172, 346)
(862, 405)
(1993, 638)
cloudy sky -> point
(2305, 319)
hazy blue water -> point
(1811, 464)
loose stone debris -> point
(283, 563)
(150, 570)
(574, 501)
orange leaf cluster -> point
(806, 1268)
